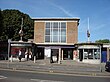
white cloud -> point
(65, 11)
(62, 9)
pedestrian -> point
(30, 55)
(20, 55)
(27, 55)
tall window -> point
(55, 32)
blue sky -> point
(98, 12)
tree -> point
(1, 22)
(12, 24)
(103, 41)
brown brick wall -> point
(72, 32)
(39, 32)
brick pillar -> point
(59, 59)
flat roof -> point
(20, 42)
(89, 43)
(55, 19)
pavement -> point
(66, 67)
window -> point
(63, 39)
(88, 54)
(55, 25)
(47, 25)
(91, 54)
(63, 31)
(55, 38)
(47, 31)
(85, 54)
(55, 32)
(63, 25)
(47, 38)
(96, 54)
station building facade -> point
(55, 38)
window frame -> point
(59, 33)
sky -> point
(97, 11)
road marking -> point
(2, 77)
(40, 80)
(61, 73)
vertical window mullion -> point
(60, 32)
(52, 30)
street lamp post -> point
(9, 40)
(88, 32)
(21, 31)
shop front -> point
(20, 51)
(54, 53)
(47, 52)
(89, 53)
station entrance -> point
(54, 55)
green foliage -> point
(1, 22)
(12, 24)
(103, 41)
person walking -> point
(27, 55)
(30, 55)
(20, 55)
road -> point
(23, 76)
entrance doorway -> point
(80, 54)
(104, 56)
(54, 55)
(68, 54)
(40, 53)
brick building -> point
(55, 38)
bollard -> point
(11, 58)
(34, 59)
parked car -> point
(107, 66)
